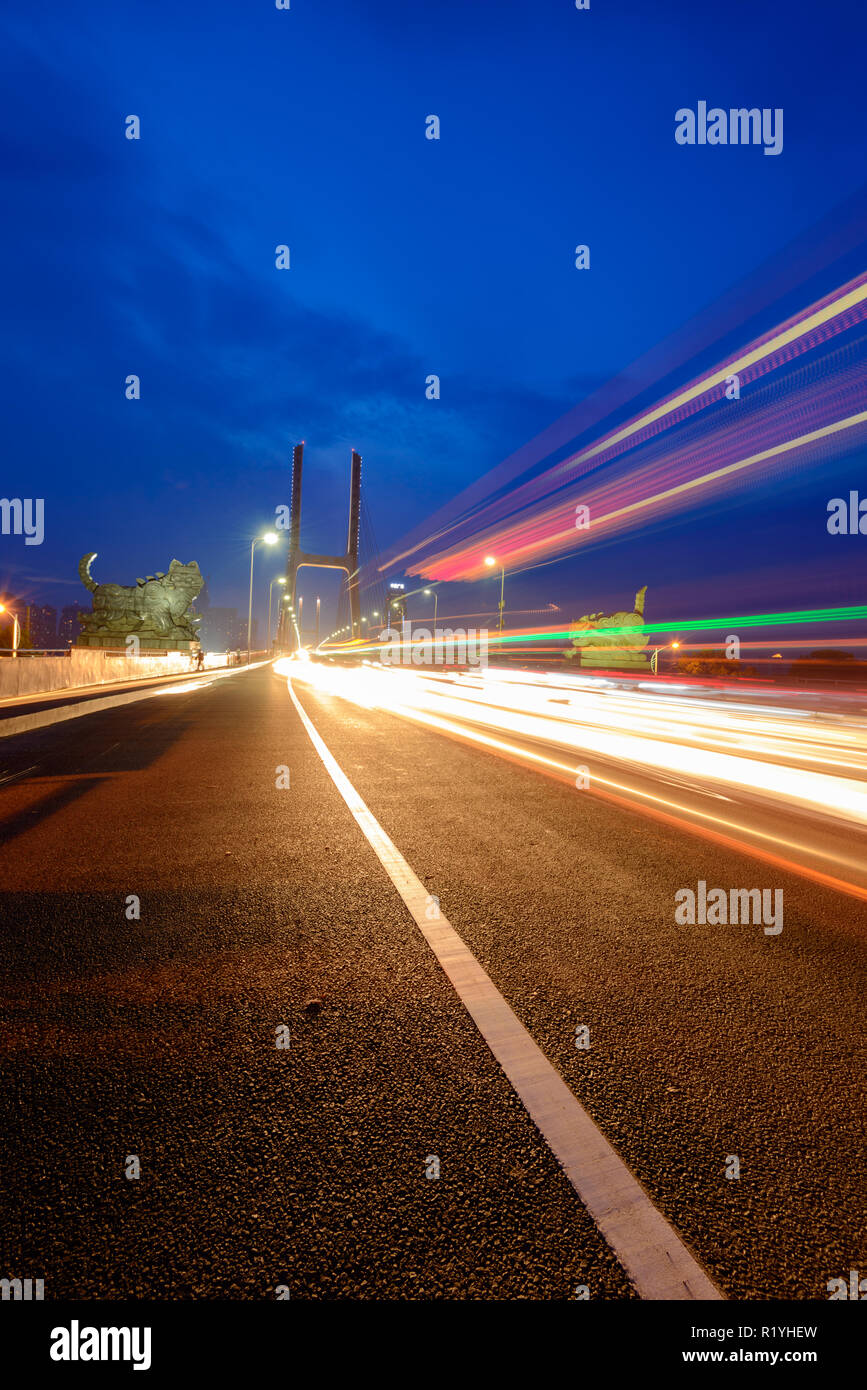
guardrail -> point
(236, 658)
(35, 651)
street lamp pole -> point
(490, 561)
(16, 628)
(665, 647)
(279, 580)
(269, 538)
(250, 609)
(502, 595)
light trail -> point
(552, 530)
(679, 450)
(766, 777)
(802, 617)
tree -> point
(828, 664)
(715, 663)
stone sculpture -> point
(585, 634)
(592, 647)
(154, 610)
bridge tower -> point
(348, 561)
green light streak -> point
(793, 619)
(796, 618)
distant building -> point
(395, 598)
(41, 622)
(222, 630)
(69, 626)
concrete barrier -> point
(85, 666)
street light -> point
(654, 658)
(490, 561)
(435, 597)
(269, 538)
(280, 580)
(287, 614)
(16, 628)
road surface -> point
(263, 908)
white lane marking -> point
(22, 723)
(650, 1250)
(13, 776)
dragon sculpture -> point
(585, 632)
(155, 609)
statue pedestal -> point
(612, 659)
(110, 642)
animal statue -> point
(156, 607)
(585, 634)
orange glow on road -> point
(793, 780)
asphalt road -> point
(305, 1167)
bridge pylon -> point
(300, 559)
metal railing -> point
(35, 651)
(235, 658)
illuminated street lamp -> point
(490, 561)
(269, 538)
(280, 580)
(435, 597)
(287, 598)
(16, 627)
(285, 614)
(654, 659)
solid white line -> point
(650, 1250)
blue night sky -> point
(408, 257)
